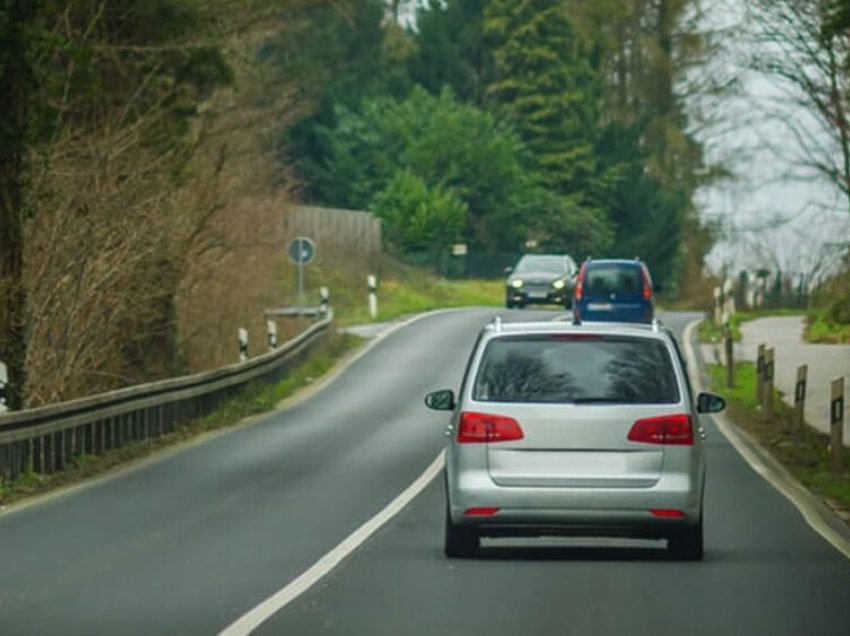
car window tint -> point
(613, 278)
(545, 369)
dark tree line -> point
(602, 159)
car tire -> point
(460, 542)
(509, 305)
(687, 545)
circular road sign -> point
(301, 250)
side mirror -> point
(440, 400)
(710, 403)
(508, 270)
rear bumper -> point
(613, 512)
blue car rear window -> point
(549, 370)
(613, 278)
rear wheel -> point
(687, 545)
(460, 542)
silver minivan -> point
(575, 430)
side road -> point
(826, 362)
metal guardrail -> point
(47, 439)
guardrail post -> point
(243, 344)
(769, 366)
(372, 283)
(797, 418)
(760, 375)
(836, 425)
(730, 357)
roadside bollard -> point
(325, 300)
(243, 344)
(797, 417)
(760, 376)
(730, 356)
(836, 425)
(271, 328)
(768, 383)
(372, 284)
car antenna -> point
(576, 320)
(497, 324)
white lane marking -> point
(248, 622)
(786, 485)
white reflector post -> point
(271, 327)
(372, 283)
(243, 344)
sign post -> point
(301, 251)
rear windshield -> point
(613, 278)
(552, 369)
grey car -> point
(575, 430)
(542, 279)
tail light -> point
(673, 430)
(481, 512)
(647, 284)
(479, 428)
(579, 291)
(667, 513)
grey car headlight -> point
(559, 284)
(516, 283)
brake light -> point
(647, 285)
(667, 513)
(579, 291)
(675, 430)
(479, 428)
(480, 512)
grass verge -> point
(820, 328)
(402, 290)
(254, 399)
(805, 453)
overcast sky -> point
(771, 215)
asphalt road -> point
(189, 543)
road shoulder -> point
(820, 517)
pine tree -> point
(547, 88)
